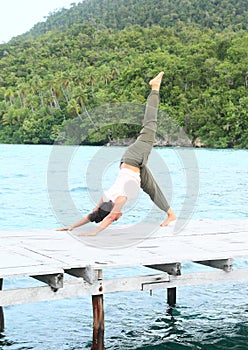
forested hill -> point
(118, 14)
(103, 53)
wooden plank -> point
(71, 289)
(74, 288)
(200, 240)
(214, 277)
(26, 271)
(10, 259)
(18, 261)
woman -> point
(133, 174)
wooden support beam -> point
(98, 319)
(223, 264)
(98, 325)
(76, 288)
(171, 296)
(55, 281)
(1, 310)
(155, 281)
(87, 273)
(173, 269)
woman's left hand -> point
(87, 234)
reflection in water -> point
(4, 341)
(178, 329)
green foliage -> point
(119, 14)
(72, 81)
(120, 133)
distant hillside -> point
(118, 14)
(99, 53)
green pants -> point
(137, 154)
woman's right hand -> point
(68, 228)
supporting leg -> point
(1, 310)
(150, 186)
(171, 296)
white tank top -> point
(127, 184)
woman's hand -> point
(93, 233)
(68, 228)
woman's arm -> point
(81, 222)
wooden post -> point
(1, 310)
(171, 296)
(98, 319)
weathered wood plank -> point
(26, 271)
(41, 252)
(76, 287)
(198, 241)
(18, 261)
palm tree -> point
(36, 85)
(22, 87)
(9, 94)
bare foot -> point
(156, 82)
(171, 217)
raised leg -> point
(137, 154)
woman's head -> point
(104, 209)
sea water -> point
(199, 184)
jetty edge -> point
(48, 256)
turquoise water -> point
(214, 182)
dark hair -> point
(104, 209)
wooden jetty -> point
(49, 256)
